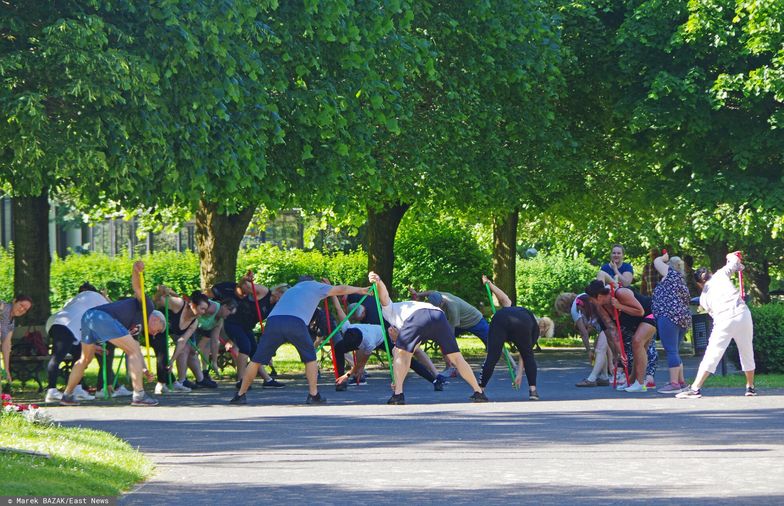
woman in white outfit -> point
(731, 320)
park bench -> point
(28, 361)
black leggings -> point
(518, 326)
(62, 340)
(159, 345)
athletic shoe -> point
(315, 399)
(479, 397)
(689, 393)
(362, 380)
(533, 396)
(206, 383)
(53, 395)
(650, 384)
(622, 386)
(397, 399)
(450, 372)
(684, 385)
(144, 400)
(636, 387)
(272, 383)
(438, 384)
(586, 383)
(179, 387)
(122, 392)
(191, 385)
(99, 394)
(68, 400)
(341, 387)
(671, 388)
(161, 388)
(81, 395)
(238, 399)
(602, 382)
(751, 392)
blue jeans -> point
(671, 336)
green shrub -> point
(768, 339)
(6, 273)
(273, 265)
(440, 256)
(542, 278)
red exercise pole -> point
(331, 346)
(344, 303)
(255, 299)
(620, 343)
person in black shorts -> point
(418, 322)
(288, 322)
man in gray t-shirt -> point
(288, 323)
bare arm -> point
(503, 299)
(660, 263)
(585, 334)
(338, 308)
(381, 289)
(624, 301)
(6, 349)
(136, 282)
(346, 290)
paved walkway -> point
(576, 446)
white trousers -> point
(738, 327)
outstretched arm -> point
(338, 308)
(136, 282)
(503, 299)
(347, 290)
(381, 288)
(660, 263)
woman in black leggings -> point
(518, 326)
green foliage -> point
(542, 278)
(7, 273)
(768, 339)
(273, 265)
(439, 256)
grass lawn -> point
(81, 460)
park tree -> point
(73, 107)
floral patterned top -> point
(671, 299)
(6, 319)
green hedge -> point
(768, 339)
(181, 270)
(439, 256)
(542, 278)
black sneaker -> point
(273, 383)
(192, 385)
(533, 396)
(438, 384)
(315, 399)
(397, 399)
(238, 384)
(751, 391)
(69, 400)
(479, 397)
(341, 387)
(238, 399)
(207, 383)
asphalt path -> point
(575, 446)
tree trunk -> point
(218, 238)
(505, 253)
(381, 231)
(717, 253)
(758, 268)
(32, 260)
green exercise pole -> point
(506, 352)
(337, 327)
(383, 331)
(105, 386)
(166, 345)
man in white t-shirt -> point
(417, 322)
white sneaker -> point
(636, 387)
(122, 392)
(99, 394)
(179, 387)
(161, 388)
(81, 395)
(53, 395)
(621, 386)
